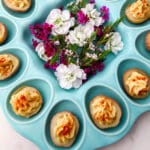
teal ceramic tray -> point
(107, 82)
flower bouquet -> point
(74, 41)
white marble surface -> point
(136, 139)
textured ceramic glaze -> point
(108, 82)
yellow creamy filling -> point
(6, 65)
(19, 3)
(65, 128)
(104, 112)
(140, 8)
(26, 102)
(136, 83)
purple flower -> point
(92, 1)
(50, 66)
(62, 58)
(82, 18)
(47, 29)
(41, 31)
(105, 13)
(87, 70)
(99, 30)
(50, 50)
(34, 43)
(92, 70)
(99, 66)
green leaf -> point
(103, 40)
(73, 47)
(54, 58)
(117, 22)
(93, 37)
(73, 61)
(87, 62)
(55, 38)
(83, 3)
(107, 30)
(73, 8)
(103, 55)
(111, 27)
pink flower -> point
(82, 18)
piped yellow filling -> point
(6, 65)
(137, 83)
(19, 3)
(104, 111)
(140, 9)
(65, 128)
(26, 102)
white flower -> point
(57, 43)
(93, 56)
(68, 52)
(61, 21)
(114, 43)
(81, 34)
(41, 51)
(92, 46)
(70, 76)
(93, 15)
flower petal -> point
(89, 7)
(41, 51)
(65, 84)
(61, 68)
(54, 14)
(65, 15)
(77, 83)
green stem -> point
(102, 56)
(107, 30)
(101, 42)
